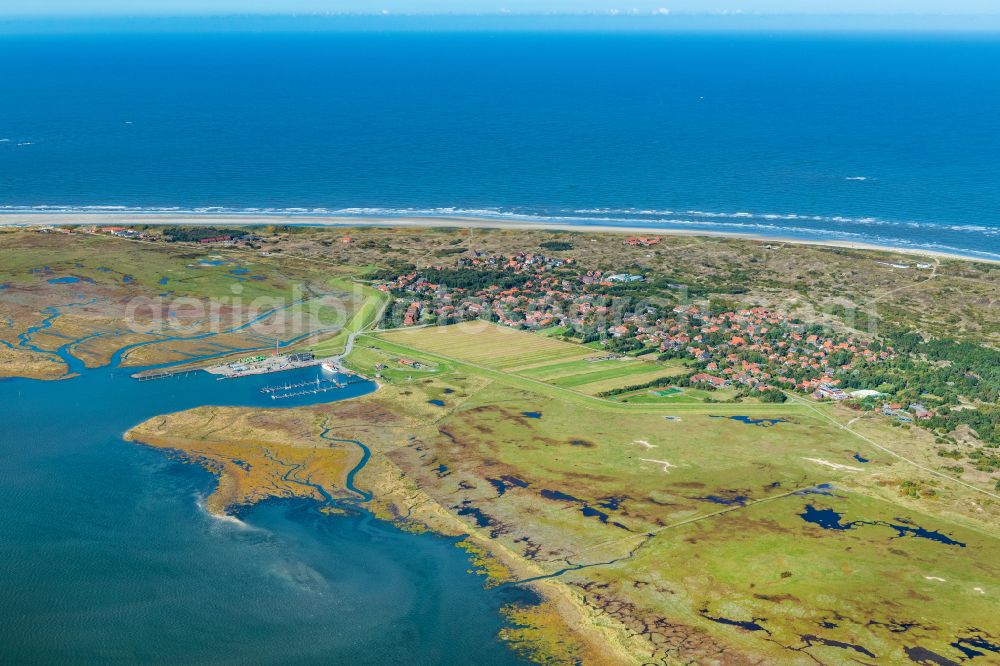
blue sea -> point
(109, 556)
(887, 138)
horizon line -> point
(661, 14)
(979, 25)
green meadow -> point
(705, 529)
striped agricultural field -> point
(532, 356)
(488, 345)
(609, 383)
(606, 370)
(551, 371)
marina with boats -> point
(332, 374)
(312, 387)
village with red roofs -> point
(754, 349)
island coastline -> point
(451, 222)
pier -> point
(319, 388)
(317, 383)
(312, 387)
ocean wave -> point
(804, 226)
(742, 221)
(723, 215)
(904, 243)
(607, 214)
(746, 227)
(262, 211)
(792, 217)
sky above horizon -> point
(177, 7)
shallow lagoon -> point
(830, 519)
(109, 557)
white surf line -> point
(848, 468)
(892, 453)
(666, 465)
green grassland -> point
(553, 331)
(605, 380)
(379, 347)
(863, 594)
(687, 394)
(552, 371)
(534, 357)
(588, 373)
(31, 258)
(366, 312)
(678, 529)
(487, 344)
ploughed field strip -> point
(488, 345)
(638, 373)
(532, 356)
(587, 371)
(380, 346)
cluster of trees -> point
(392, 270)
(623, 345)
(940, 373)
(985, 461)
(916, 489)
(460, 278)
(984, 421)
(556, 246)
(973, 368)
(448, 251)
(195, 234)
(771, 395)
(656, 383)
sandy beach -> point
(57, 219)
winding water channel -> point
(109, 557)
